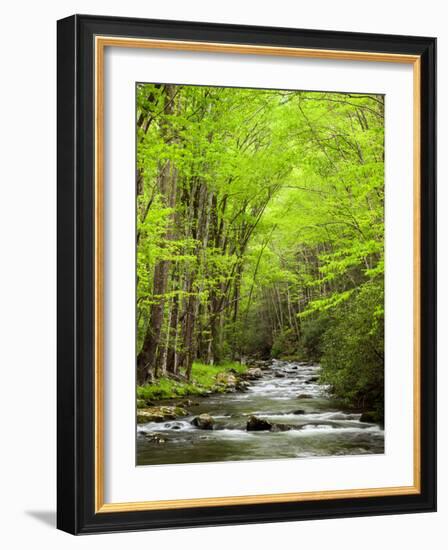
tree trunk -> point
(148, 358)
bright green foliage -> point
(260, 227)
(203, 381)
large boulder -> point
(203, 422)
(277, 427)
(255, 424)
(159, 414)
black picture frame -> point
(76, 271)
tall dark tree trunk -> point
(172, 359)
(148, 358)
(189, 341)
(214, 350)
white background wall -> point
(27, 272)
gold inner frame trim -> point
(101, 42)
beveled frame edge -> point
(77, 466)
(101, 42)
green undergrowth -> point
(203, 381)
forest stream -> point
(286, 394)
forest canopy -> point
(260, 232)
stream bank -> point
(282, 412)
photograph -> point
(259, 274)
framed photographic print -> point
(246, 274)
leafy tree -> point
(260, 229)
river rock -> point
(259, 363)
(255, 424)
(159, 414)
(155, 437)
(279, 375)
(299, 411)
(254, 373)
(277, 427)
(203, 422)
(304, 396)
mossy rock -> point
(141, 403)
(254, 373)
(226, 379)
(159, 414)
(144, 416)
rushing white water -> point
(288, 393)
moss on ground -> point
(203, 382)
